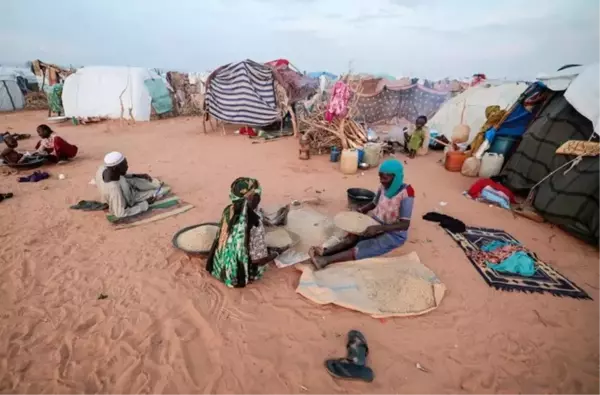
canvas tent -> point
(474, 102)
(566, 196)
(11, 96)
(115, 92)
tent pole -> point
(9, 95)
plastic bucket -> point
(502, 145)
(361, 155)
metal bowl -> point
(358, 197)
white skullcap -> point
(113, 158)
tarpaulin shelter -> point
(474, 101)
(11, 96)
(115, 92)
(400, 101)
(567, 186)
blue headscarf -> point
(395, 167)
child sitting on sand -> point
(9, 155)
(54, 147)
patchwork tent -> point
(474, 102)
(395, 99)
(297, 85)
(11, 96)
(116, 92)
(567, 194)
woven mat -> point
(545, 280)
(158, 210)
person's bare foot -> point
(318, 261)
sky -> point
(513, 39)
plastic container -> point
(372, 154)
(349, 161)
(470, 167)
(502, 145)
(454, 160)
(491, 164)
(334, 155)
(460, 134)
(361, 154)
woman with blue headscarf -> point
(392, 208)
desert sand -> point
(168, 327)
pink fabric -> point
(338, 105)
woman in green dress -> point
(239, 254)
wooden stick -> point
(294, 125)
(324, 128)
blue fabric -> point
(161, 99)
(382, 244)
(516, 123)
(406, 208)
(518, 263)
(490, 195)
(491, 246)
(395, 167)
(490, 134)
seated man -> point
(10, 155)
(126, 194)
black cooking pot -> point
(358, 197)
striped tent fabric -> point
(243, 93)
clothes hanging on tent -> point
(338, 105)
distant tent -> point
(115, 92)
(474, 102)
(566, 198)
(317, 74)
(11, 96)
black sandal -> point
(353, 366)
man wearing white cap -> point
(126, 194)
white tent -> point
(99, 91)
(581, 84)
(11, 97)
(474, 101)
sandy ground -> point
(166, 326)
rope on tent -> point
(573, 162)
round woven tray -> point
(191, 252)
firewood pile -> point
(340, 132)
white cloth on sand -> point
(129, 195)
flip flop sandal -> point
(344, 369)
